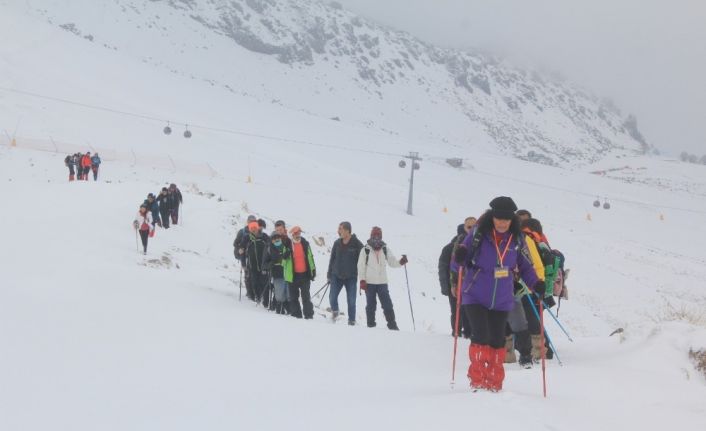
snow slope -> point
(96, 336)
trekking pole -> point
(556, 319)
(409, 294)
(549, 339)
(240, 283)
(458, 315)
(324, 295)
(543, 349)
(322, 288)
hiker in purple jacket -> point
(489, 254)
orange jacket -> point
(86, 161)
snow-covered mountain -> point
(320, 59)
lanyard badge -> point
(501, 271)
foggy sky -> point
(649, 56)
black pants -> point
(95, 173)
(488, 326)
(258, 282)
(164, 215)
(144, 234)
(532, 321)
(464, 325)
(300, 284)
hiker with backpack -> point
(164, 202)
(143, 224)
(300, 277)
(175, 200)
(373, 260)
(448, 276)
(488, 256)
(95, 164)
(85, 166)
(548, 261)
(242, 239)
(277, 261)
(255, 253)
(153, 206)
(69, 163)
(343, 270)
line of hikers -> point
(82, 164)
(158, 211)
(506, 268)
(279, 270)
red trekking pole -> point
(458, 315)
(542, 348)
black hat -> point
(503, 208)
(261, 223)
(461, 229)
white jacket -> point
(375, 272)
(147, 218)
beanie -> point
(503, 208)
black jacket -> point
(444, 268)
(273, 260)
(344, 258)
(255, 252)
(165, 204)
(175, 198)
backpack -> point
(367, 253)
(553, 261)
(478, 237)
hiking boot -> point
(371, 324)
(390, 317)
(351, 323)
(525, 361)
(510, 357)
(537, 347)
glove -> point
(461, 254)
(404, 260)
(517, 286)
(135, 224)
(313, 275)
(363, 285)
(539, 288)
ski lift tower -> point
(414, 157)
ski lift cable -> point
(195, 126)
(337, 147)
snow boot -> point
(523, 344)
(537, 348)
(391, 323)
(510, 357)
(71, 177)
(351, 323)
(495, 373)
(479, 362)
(370, 316)
(550, 352)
